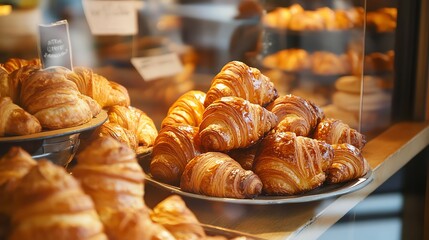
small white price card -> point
(112, 17)
(153, 67)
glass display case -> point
(363, 62)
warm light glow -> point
(5, 10)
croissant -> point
(136, 224)
(296, 114)
(109, 172)
(335, 131)
(16, 121)
(13, 64)
(239, 80)
(288, 164)
(119, 133)
(137, 122)
(232, 122)
(118, 95)
(177, 218)
(173, 148)
(50, 204)
(98, 87)
(55, 101)
(348, 164)
(245, 156)
(13, 87)
(13, 166)
(218, 175)
(187, 109)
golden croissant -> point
(296, 114)
(109, 172)
(136, 121)
(16, 121)
(136, 224)
(98, 87)
(119, 133)
(13, 64)
(176, 217)
(348, 164)
(335, 131)
(55, 101)
(13, 166)
(15, 82)
(232, 122)
(50, 204)
(173, 148)
(239, 80)
(216, 174)
(187, 109)
(288, 164)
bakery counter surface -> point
(387, 153)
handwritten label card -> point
(153, 67)
(112, 17)
(54, 45)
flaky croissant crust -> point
(217, 174)
(173, 148)
(51, 205)
(232, 122)
(348, 164)
(238, 79)
(175, 216)
(335, 131)
(296, 114)
(187, 109)
(289, 164)
(55, 101)
(16, 121)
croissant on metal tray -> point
(173, 148)
(137, 122)
(177, 218)
(105, 92)
(50, 204)
(216, 174)
(288, 164)
(15, 82)
(239, 80)
(55, 101)
(232, 122)
(335, 131)
(348, 164)
(187, 109)
(296, 114)
(16, 121)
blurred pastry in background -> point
(292, 59)
(379, 62)
(296, 18)
(327, 63)
(382, 20)
(307, 20)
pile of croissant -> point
(34, 99)
(102, 197)
(240, 140)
